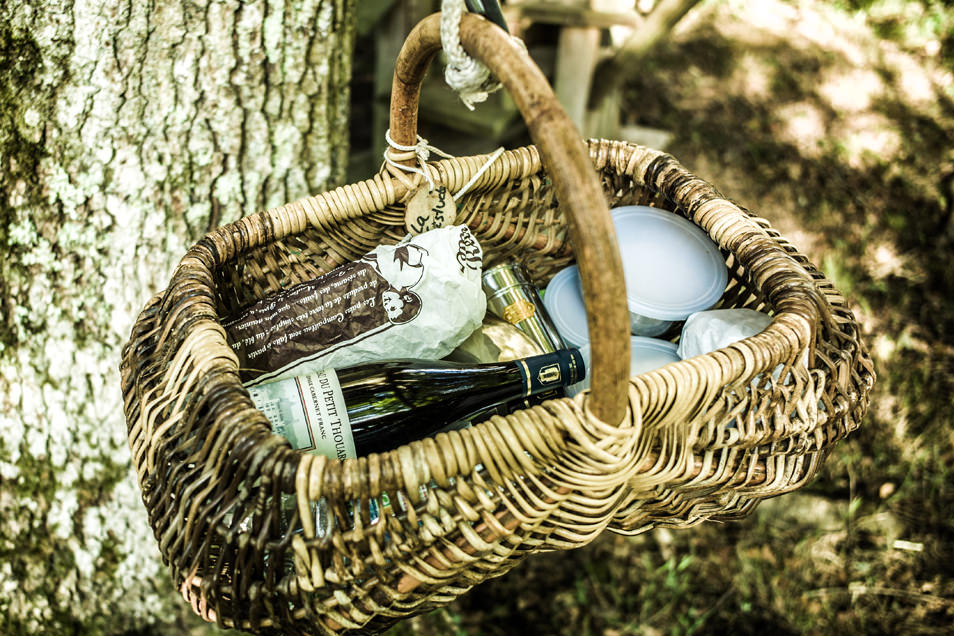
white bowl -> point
(645, 354)
(672, 268)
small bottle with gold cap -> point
(512, 297)
(516, 325)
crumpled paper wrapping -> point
(418, 299)
(706, 331)
(496, 341)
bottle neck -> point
(549, 371)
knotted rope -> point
(422, 151)
(473, 83)
(469, 78)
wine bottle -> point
(371, 408)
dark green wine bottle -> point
(375, 407)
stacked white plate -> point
(672, 269)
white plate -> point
(564, 302)
(672, 268)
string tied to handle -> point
(421, 151)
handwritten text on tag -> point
(429, 210)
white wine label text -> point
(309, 412)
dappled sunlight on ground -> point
(884, 261)
(751, 77)
(842, 137)
(802, 125)
(868, 139)
(843, 146)
(851, 91)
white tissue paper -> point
(706, 331)
(417, 299)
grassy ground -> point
(836, 123)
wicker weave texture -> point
(702, 438)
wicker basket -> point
(700, 439)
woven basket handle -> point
(565, 158)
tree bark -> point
(127, 130)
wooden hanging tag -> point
(429, 210)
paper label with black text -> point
(429, 210)
(310, 412)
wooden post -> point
(577, 52)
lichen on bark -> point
(126, 131)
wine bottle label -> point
(549, 371)
(310, 412)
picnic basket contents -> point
(265, 538)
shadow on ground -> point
(845, 142)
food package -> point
(417, 299)
(706, 331)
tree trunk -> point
(127, 129)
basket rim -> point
(790, 333)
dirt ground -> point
(837, 125)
